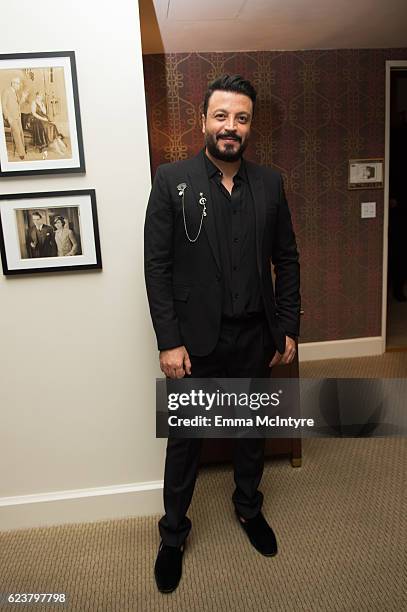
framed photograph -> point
(40, 124)
(51, 231)
(365, 174)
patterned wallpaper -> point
(315, 110)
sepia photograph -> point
(40, 131)
(365, 174)
(50, 231)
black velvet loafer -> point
(260, 534)
(168, 567)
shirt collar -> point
(213, 170)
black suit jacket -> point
(183, 278)
(43, 241)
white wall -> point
(78, 357)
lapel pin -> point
(202, 201)
(181, 188)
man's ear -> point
(203, 123)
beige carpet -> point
(388, 365)
(340, 521)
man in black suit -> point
(41, 238)
(214, 224)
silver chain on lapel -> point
(202, 201)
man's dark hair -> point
(235, 83)
(36, 213)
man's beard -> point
(229, 154)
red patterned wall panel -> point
(315, 110)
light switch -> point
(368, 210)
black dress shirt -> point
(236, 231)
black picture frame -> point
(54, 74)
(79, 211)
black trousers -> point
(244, 350)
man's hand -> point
(288, 354)
(175, 363)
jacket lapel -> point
(199, 182)
(259, 200)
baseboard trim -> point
(81, 505)
(340, 349)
